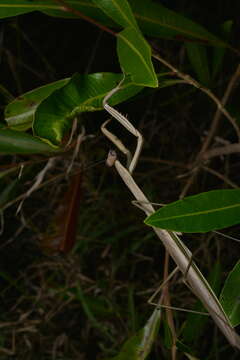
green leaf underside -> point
(15, 142)
(82, 93)
(204, 212)
(135, 57)
(230, 296)
(139, 346)
(153, 19)
(119, 11)
(19, 113)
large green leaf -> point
(139, 346)
(17, 7)
(207, 211)
(19, 113)
(119, 11)
(153, 18)
(230, 295)
(156, 20)
(82, 93)
(135, 57)
(133, 51)
(15, 142)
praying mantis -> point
(179, 252)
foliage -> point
(212, 210)
(39, 127)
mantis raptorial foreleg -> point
(126, 123)
(173, 244)
(118, 143)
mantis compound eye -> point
(111, 158)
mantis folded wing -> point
(173, 244)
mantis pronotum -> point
(173, 244)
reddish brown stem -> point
(67, 8)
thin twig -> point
(231, 85)
(221, 176)
(193, 82)
(127, 124)
(220, 110)
(221, 150)
(38, 180)
(47, 182)
(66, 7)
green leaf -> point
(133, 51)
(15, 142)
(153, 18)
(139, 346)
(82, 93)
(135, 57)
(156, 20)
(8, 8)
(19, 113)
(230, 295)
(17, 7)
(197, 55)
(119, 11)
(204, 212)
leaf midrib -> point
(205, 212)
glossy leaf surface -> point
(134, 53)
(15, 142)
(135, 57)
(19, 113)
(230, 295)
(204, 212)
(153, 18)
(156, 20)
(82, 93)
(119, 11)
